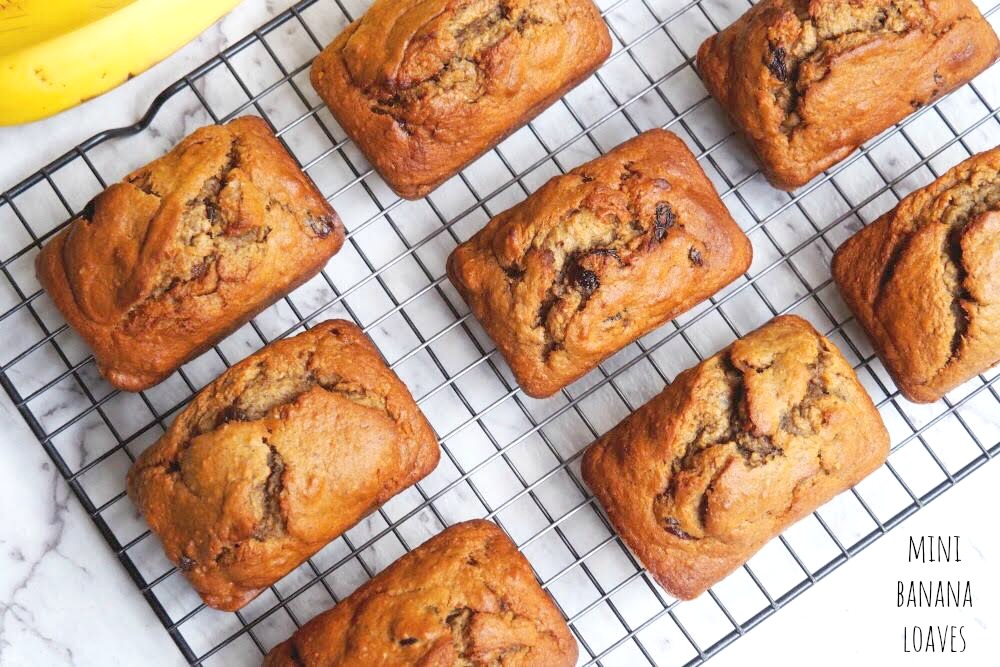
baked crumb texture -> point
(163, 265)
(464, 597)
(808, 81)
(924, 280)
(597, 258)
(423, 87)
(734, 451)
(277, 457)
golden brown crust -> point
(598, 258)
(924, 280)
(279, 455)
(166, 263)
(464, 597)
(808, 81)
(735, 450)
(423, 87)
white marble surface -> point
(28, 147)
(852, 618)
(65, 600)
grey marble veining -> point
(65, 600)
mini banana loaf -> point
(423, 87)
(735, 450)
(277, 457)
(464, 597)
(924, 280)
(597, 258)
(808, 81)
(163, 265)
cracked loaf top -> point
(277, 457)
(464, 597)
(423, 87)
(164, 264)
(808, 81)
(597, 258)
(924, 280)
(735, 450)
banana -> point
(55, 54)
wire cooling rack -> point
(506, 456)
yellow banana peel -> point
(55, 54)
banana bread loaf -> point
(464, 597)
(808, 81)
(735, 450)
(163, 265)
(277, 457)
(924, 280)
(597, 258)
(423, 87)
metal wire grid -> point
(506, 457)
